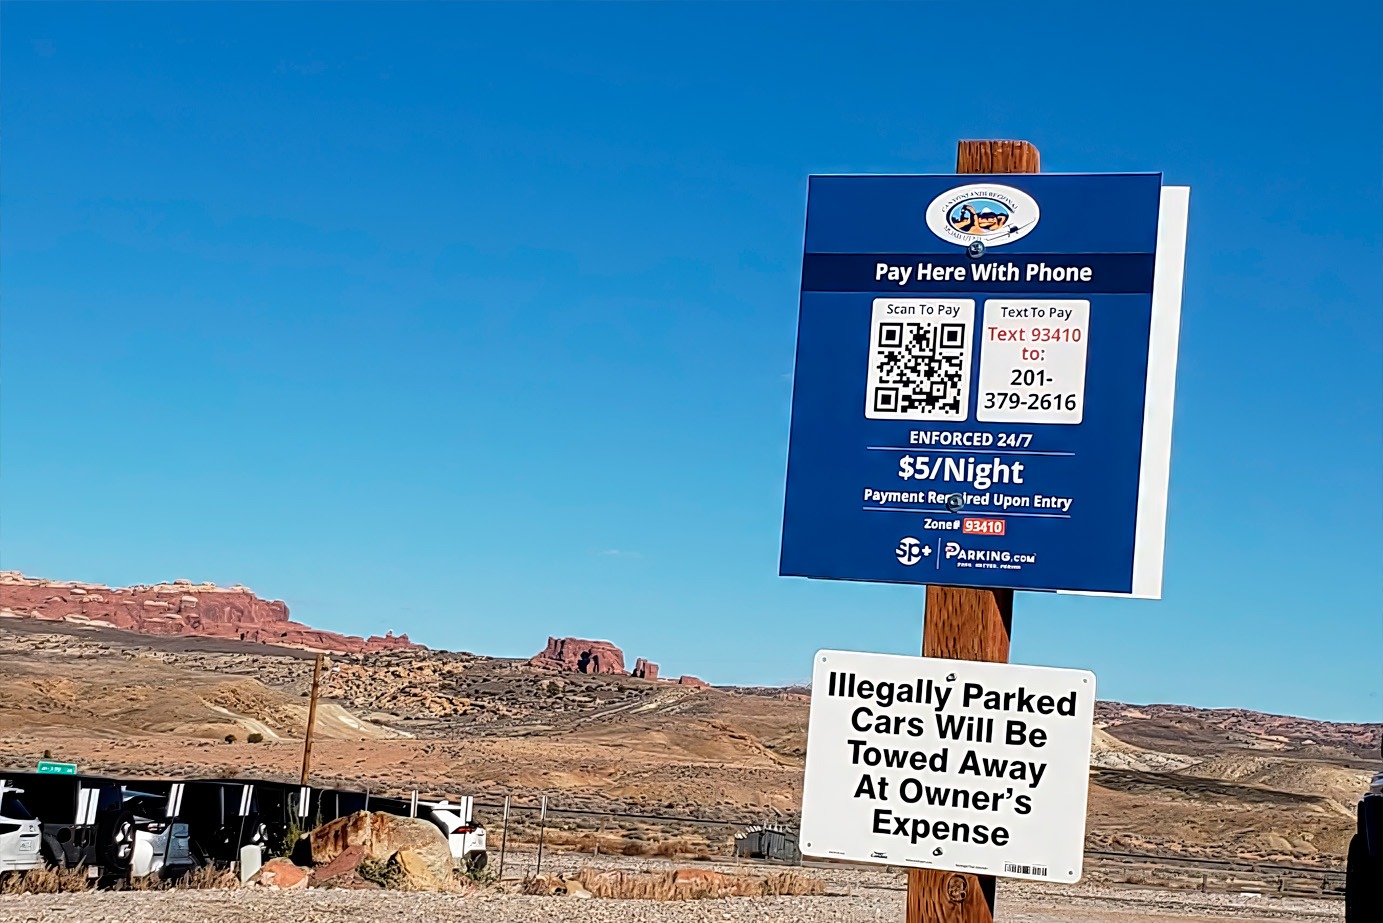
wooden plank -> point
(966, 624)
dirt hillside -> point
(1163, 778)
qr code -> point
(919, 359)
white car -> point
(20, 833)
(162, 843)
(465, 837)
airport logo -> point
(992, 214)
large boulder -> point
(379, 837)
(410, 871)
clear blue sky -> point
(478, 321)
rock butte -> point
(578, 655)
(180, 608)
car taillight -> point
(8, 828)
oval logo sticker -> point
(996, 215)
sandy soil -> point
(1017, 905)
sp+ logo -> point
(910, 551)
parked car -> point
(328, 804)
(71, 831)
(226, 815)
(1364, 871)
(113, 829)
(162, 840)
(465, 835)
(20, 833)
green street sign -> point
(58, 769)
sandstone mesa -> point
(578, 655)
(181, 608)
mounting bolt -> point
(975, 250)
(954, 502)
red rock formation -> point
(643, 669)
(693, 682)
(201, 610)
(580, 656)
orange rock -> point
(281, 875)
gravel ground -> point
(257, 906)
(855, 896)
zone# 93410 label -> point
(1032, 361)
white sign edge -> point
(1164, 336)
(822, 654)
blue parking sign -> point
(984, 381)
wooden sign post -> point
(966, 624)
(311, 719)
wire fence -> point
(532, 829)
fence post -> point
(504, 836)
(542, 829)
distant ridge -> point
(180, 609)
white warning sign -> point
(948, 764)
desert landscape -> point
(1182, 800)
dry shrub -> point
(532, 885)
(667, 849)
(45, 881)
(380, 873)
(788, 884)
(569, 839)
(209, 878)
(690, 884)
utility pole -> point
(967, 624)
(311, 718)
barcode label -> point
(1025, 869)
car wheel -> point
(53, 855)
(117, 843)
(1363, 884)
